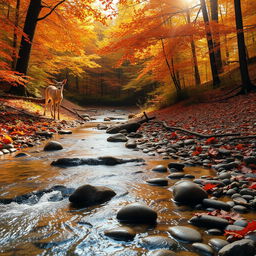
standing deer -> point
(54, 97)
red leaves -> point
(6, 139)
(209, 186)
(198, 151)
(253, 186)
(230, 216)
(211, 140)
(251, 227)
(174, 135)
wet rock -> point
(117, 138)
(88, 195)
(5, 151)
(241, 223)
(247, 191)
(102, 127)
(240, 209)
(209, 221)
(203, 249)
(249, 160)
(158, 182)
(177, 166)
(233, 227)
(185, 234)
(214, 232)
(188, 192)
(240, 200)
(135, 135)
(244, 247)
(216, 204)
(130, 127)
(176, 175)
(53, 145)
(217, 243)
(105, 160)
(130, 144)
(162, 252)
(45, 134)
(158, 242)
(121, 233)
(226, 166)
(64, 132)
(21, 154)
(136, 213)
(159, 168)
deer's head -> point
(60, 85)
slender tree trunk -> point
(215, 76)
(77, 84)
(246, 82)
(26, 43)
(194, 57)
(15, 37)
(216, 43)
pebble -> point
(214, 232)
(203, 249)
(121, 233)
(136, 213)
(240, 209)
(159, 168)
(162, 252)
(216, 204)
(53, 145)
(176, 175)
(119, 137)
(158, 242)
(158, 182)
(178, 166)
(217, 243)
(185, 234)
(209, 221)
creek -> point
(52, 227)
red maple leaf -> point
(253, 186)
(251, 227)
(211, 140)
(209, 186)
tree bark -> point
(194, 57)
(215, 76)
(15, 37)
(247, 85)
(216, 42)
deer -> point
(54, 97)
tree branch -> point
(51, 11)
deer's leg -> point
(58, 111)
(46, 101)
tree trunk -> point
(246, 82)
(215, 76)
(26, 43)
(194, 57)
(77, 84)
(15, 37)
(216, 43)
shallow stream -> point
(53, 228)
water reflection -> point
(53, 228)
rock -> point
(214, 232)
(217, 243)
(188, 192)
(136, 213)
(233, 227)
(22, 154)
(135, 135)
(45, 134)
(162, 252)
(203, 249)
(130, 144)
(129, 126)
(250, 160)
(176, 175)
(158, 242)
(64, 132)
(119, 137)
(216, 204)
(178, 166)
(244, 247)
(5, 151)
(209, 221)
(53, 145)
(105, 160)
(240, 209)
(159, 168)
(185, 234)
(226, 166)
(130, 116)
(88, 195)
(121, 233)
(158, 182)
(102, 127)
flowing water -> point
(50, 227)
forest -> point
(126, 52)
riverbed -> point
(52, 227)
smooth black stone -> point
(137, 213)
(217, 243)
(178, 166)
(158, 182)
(64, 132)
(209, 221)
(159, 168)
(185, 234)
(161, 252)
(21, 154)
(203, 249)
(240, 209)
(121, 233)
(214, 232)
(216, 204)
(158, 242)
(176, 175)
(53, 145)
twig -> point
(206, 136)
(73, 112)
